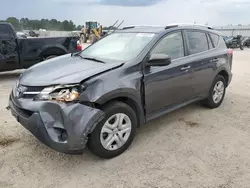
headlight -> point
(15, 87)
(65, 93)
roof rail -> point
(187, 24)
(140, 26)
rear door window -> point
(215, 39)
(196, 41)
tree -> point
(72, 26)
(110, 27)
(79, 27)
(15, 22)
(65, 25)
(53, 24)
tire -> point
(210, 102)
(93, 38)
(83, 38)
(241, 46)
(97, 137)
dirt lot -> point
(189, 148)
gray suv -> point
(99, 96)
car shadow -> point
(176, 116)
(144, 132)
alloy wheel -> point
(218, 92)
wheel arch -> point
(128, 99)
(225, 74)
(53, 50)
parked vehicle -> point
(99, 96)
(33, 34)
(21, 35)
(227, 38)
(246, 42)
(234, 42)
(19, 53)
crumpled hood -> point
(63, 70)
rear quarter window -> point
(5, 31)
(215, 39)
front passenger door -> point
(167, 86)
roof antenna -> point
(117, 26)
(112, 25)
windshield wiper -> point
(77, 54)
(93, 59)
(88, 58)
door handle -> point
(185, 68)
(214, 60)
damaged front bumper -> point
(61, 126)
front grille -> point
(37, 89)
(28, 96)
(34, 88)
(21, 111)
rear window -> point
(215, 39)
(5, 31)
(197, 42)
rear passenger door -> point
(202, 58)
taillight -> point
(79, 47)
(230, 57)
(229, 51)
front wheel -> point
(216, 93)
(114, 134)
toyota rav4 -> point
(99, 96)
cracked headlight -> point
(64, 93)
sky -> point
(147, 12)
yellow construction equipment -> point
(92, 32)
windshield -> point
(119, 46)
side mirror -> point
(159, 60)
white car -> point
(21, 35)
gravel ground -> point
(191, 147)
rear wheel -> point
(52, 52)
(114, 134)
(216, 93)
(50, 57)
(241, 46)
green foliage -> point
(15, 22)
(53, 24)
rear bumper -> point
(62, 127)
